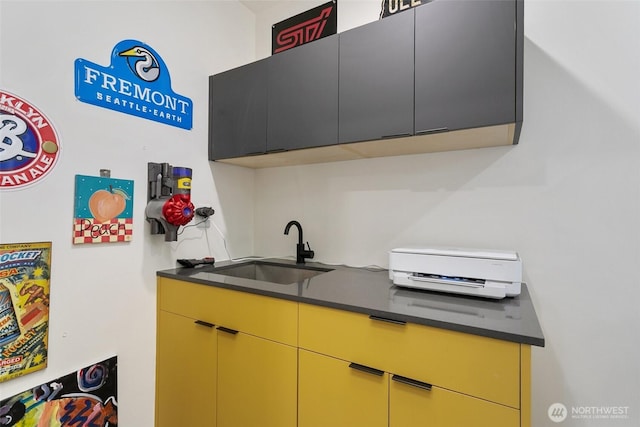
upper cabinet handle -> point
(254, 153)
(434, 130)
(366, 369)
(384, 319)
(227, 330)
(413, 383)
(276, 150)
(203, 323)
(397, 135)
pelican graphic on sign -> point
(146, 67)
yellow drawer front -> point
(330, 393)
(410, 406)
(266, 317)
(474, 365)
(187, 299)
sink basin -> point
(283, 274)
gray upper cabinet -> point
(376, 80)
(446, 75)
(238, 111)
(465, 64)
(303, 96)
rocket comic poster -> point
(24, 308)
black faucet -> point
(301, 252)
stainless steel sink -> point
(283, 274)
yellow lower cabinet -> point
(279, 363)
(332, 392)
(185, 372)
(471, 364)
(414, 404)
(257, 382)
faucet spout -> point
(301, 252)
(298, 226)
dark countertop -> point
(371, 292)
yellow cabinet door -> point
(185, 372)
(257, 382)
(332, 392)
(478, 366)
(411, 405)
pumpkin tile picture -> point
(103, 211)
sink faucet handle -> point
(307, 253)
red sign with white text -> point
(306, 27)
(29, 145)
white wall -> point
(103, 295)
(567, 198)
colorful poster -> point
(29, 144)
(87, 397)
(103, 210)
(24, 308)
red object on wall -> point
(178, 210)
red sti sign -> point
(306, 27)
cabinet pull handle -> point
(366, 369)
(384, 319)
(434, 130)
(203, 323)
(413, 383)
(398, 135)
(276, 150)
(227, 330)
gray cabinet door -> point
(465, 64)
(238, 111)
(303, 96)
(376, 79)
